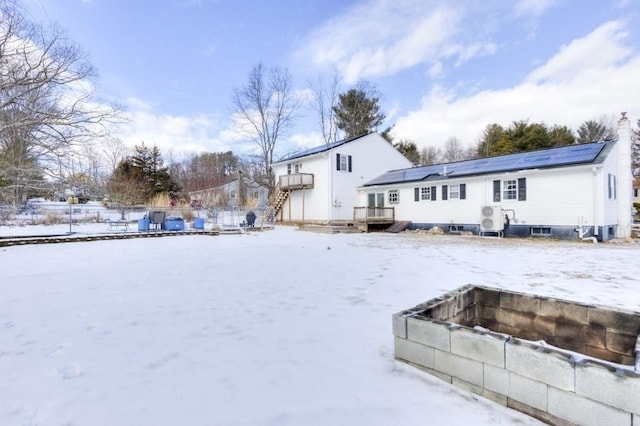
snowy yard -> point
(267, 328)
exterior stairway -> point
(278, 200)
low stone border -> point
(73, 238)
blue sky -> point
(444, 69)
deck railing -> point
(373, 214)
(296, 181)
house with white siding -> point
(319, 185)
(571, 192)
(240, 192)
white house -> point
(571, 192)
(240, 192)
(320, 185)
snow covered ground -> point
(281, 327)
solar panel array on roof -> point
(318, 149)
(554, 157)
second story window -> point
(293, 168)
(343, 162)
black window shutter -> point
(463, 191)
(337, 161)
(522, 189)
(433, 193)
(349, 161)
(496, 191)
(445, 193)
(416, 194)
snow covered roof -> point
(546, 158)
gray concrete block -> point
(434, 334)
(601, 384)
(622, 321)
(563, 311)
(520, 302)
(550, 367)
(399, 325)
(496, 379)
(584, 411)
(413, 352)
(528, 391)
(469, 387)
(486, 348)
(459, 367)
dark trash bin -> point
(251, 218)
(156, 219)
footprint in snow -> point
(70, 371)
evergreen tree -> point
(595, 131)
(561, 136)
(358, 111)
(409, 149)
(144, 171)
(635, 150)
(495, 141)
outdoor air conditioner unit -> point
(491, 219)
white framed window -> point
(256, 194)
(293, 168)
(425, 193)
(232, 194)
(394, 196)
(454, 191)
(510, 189)
(612, 186)
(343, 162)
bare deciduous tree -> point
(265, 108)
(113, 151)
(47, 102)
(323, 102)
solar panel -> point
(553, 157)
(318, 149)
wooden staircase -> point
(278, 201)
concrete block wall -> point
(554, 385)
(592, 330)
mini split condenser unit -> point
(491, 219)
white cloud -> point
(601, 49)
(532, 7)
(587, 78)
(193, 134)
(381, 37)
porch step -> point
(399, 226)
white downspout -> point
(596, 199)
(331, 169)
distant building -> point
(241, 192)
